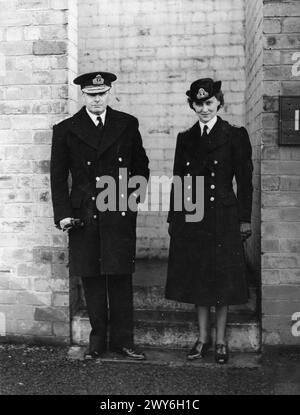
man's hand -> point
(245, 230)
(65, 223)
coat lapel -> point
(194, 141)
(114, 125)
(218, 135)
(85, 129)
(200, 148)
(196, 148)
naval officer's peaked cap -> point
(95, 82)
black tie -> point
(204, 134)
(100, 124)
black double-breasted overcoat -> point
(107, 241)
(206, 259)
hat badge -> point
(202, 93)
(98, 80)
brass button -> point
(213, 174)
(97, 179)
(216, 162)
(123, 214)
(95, 216)
(188, 163)
(212, 199)
(120, 159)
(89, 163)
(93, 198)
(212, 186)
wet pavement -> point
(49, 370)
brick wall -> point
(157, 48)
(254, 107)
(280, 178)
(38, 47)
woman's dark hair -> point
(219, 95)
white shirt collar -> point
(94, 116)
(210, 124)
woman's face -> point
(207, 110)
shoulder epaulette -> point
(63, 119)
(236, 126)
(186, 130)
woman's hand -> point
(245, 230)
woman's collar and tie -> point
(209, 125)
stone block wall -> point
(38, 49)
(157, 48)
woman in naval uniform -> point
(206, 264)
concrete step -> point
(243, 331)
(163, 323)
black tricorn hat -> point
(203, 89)
(95, 82)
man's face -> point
(207, 109)
(96, 103)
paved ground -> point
(32, 370)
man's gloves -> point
(245, 230)
(69, 223)
(65, 223)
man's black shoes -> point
(130, 353)
(92, 354)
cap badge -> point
(202, 93)
(98, 80)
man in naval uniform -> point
(96, 142)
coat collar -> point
(83, 126)
(85, 129)
(218, 136)
(115, 124)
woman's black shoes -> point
(221, 353)
(199, 350)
